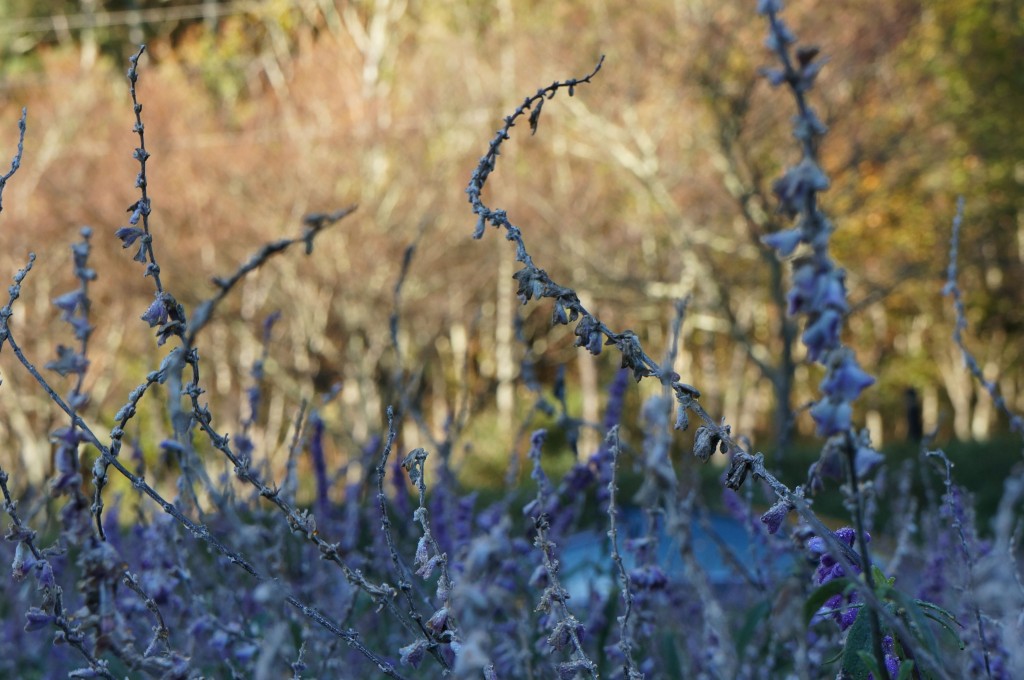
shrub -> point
(411, 575)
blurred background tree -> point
(651, 184)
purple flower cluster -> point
(892, 661)
(818, 291)
(351, 565)
(842, 608)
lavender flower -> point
(785, 241)
(832, 416)
(414, 653)
(128, 236)
(892, 661)
(157, 313)
(441, 592)
(795, 190)
(37, 619)
(822, 334)
(845, 379)
(776, 515)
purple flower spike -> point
(829, 570)
(848, 616)
(892, 661)
(816, 288)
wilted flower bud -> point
(682, 418)
(438, 622)
(705, 442)
(588, 334)
(413, 654)
(23, 561)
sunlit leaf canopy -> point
(650, 184)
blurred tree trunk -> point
(506, 367)
(959, 389)
(90, 48)
(210, 16)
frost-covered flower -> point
(157, 313)
(648, 577)
(37, 619)
(414, 653)
(866, 460)
(832, 416)
(128, 235)
(796, 187)
(776, 515)
(845, 379)
(785, 241)
(822, 334)
(69, 303)
(588, 334)
(705, 441)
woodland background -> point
(653, 186)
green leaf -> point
(835, 657)
(868, 659)
(858, 643)
(906, 670)
(882, 583)
(942, 617)
(931, 606)
(918, 621)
